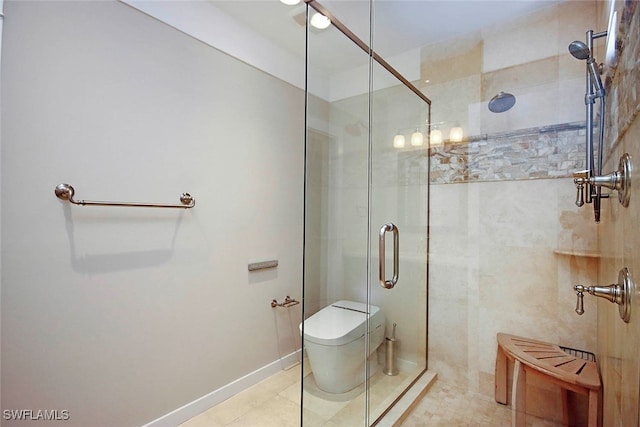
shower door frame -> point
(373, 56)
(362, 45)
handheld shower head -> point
(580, 51)
(595, 76)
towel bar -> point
(66, 192)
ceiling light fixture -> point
(320, 21)
(456, 134)
(434, 134)
(435, 137)
(398, 141)
(290, 2)
(417, 139)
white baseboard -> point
(191, 409)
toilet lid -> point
(338, 324)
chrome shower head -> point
(579, 50)
(501, 102)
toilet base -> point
(338, 340)
(336, 377)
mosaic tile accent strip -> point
(623, 82)
(545, 152)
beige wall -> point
(527, 57)
(618, 342)
(504, 255)
(495, 267)
(618, 234)
(122, 315)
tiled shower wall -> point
(507, 242)
(618, 233)
(544, 152)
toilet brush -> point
(390, 367)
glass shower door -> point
(399, 218)
(357, 182)
(336, 230)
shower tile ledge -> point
(403, 408)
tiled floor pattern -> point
(275, 402)
(445, 405)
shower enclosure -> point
(366, 211)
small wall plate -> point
(625, 168)
(627, 287)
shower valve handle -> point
(611, 293)
(618, 293)
(580, 303)
(580, 193)
(580, 179)
(619, 180)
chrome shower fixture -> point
(589, 191)
(501, 102)
(619, 180)
(619, 293)
(580, 51)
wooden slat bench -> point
(549, 362)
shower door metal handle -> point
(388, 284)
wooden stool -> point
(550, 363)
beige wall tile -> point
(577, 17)
(619, 240)
(518, 78)
(529, 38)
(443, 62)
(505, 277)
(451, 100)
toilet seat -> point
(340, 323)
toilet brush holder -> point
(390, 365)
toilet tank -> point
(342, 322)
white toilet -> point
(334, 339)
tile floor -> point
(275, 402)
(450, 406)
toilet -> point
(334, 339)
